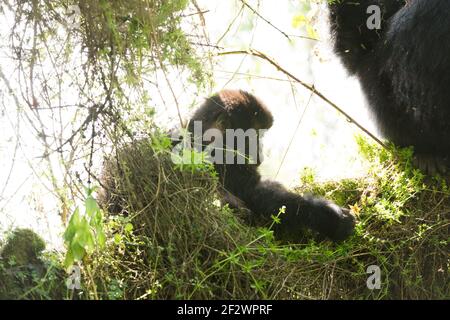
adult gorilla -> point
(404, 70)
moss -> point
(25, 272)
(23, 247)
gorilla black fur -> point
(404, 70)
(242, 183)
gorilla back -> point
(404, 70)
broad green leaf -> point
(68, 261)
(72, 226)
(84, 236)
(77, 251)
(91, 206)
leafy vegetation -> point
(167, 237)
(84, 233)
(157, 230)
(26, 272)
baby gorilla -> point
(242, 184)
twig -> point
(200, 12)
(230, 25)
(311, 88)
(300, 120)
(265, 20)
(206, 45)
(91, 153)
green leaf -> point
(128, 228)
(77, 252)
(83, 233)
(91, 206)
(72, 226)
(84, 236)
(101, 238)
(69, 260)
(117, 238)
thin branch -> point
(300, 120)
(200, 12)
(207, 45)
(265, 20)
(230, 25)
(311, 88)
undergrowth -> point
(168, 237)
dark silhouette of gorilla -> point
(242, 183)
(404, 70)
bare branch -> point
(265, 20)
(311, 88)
